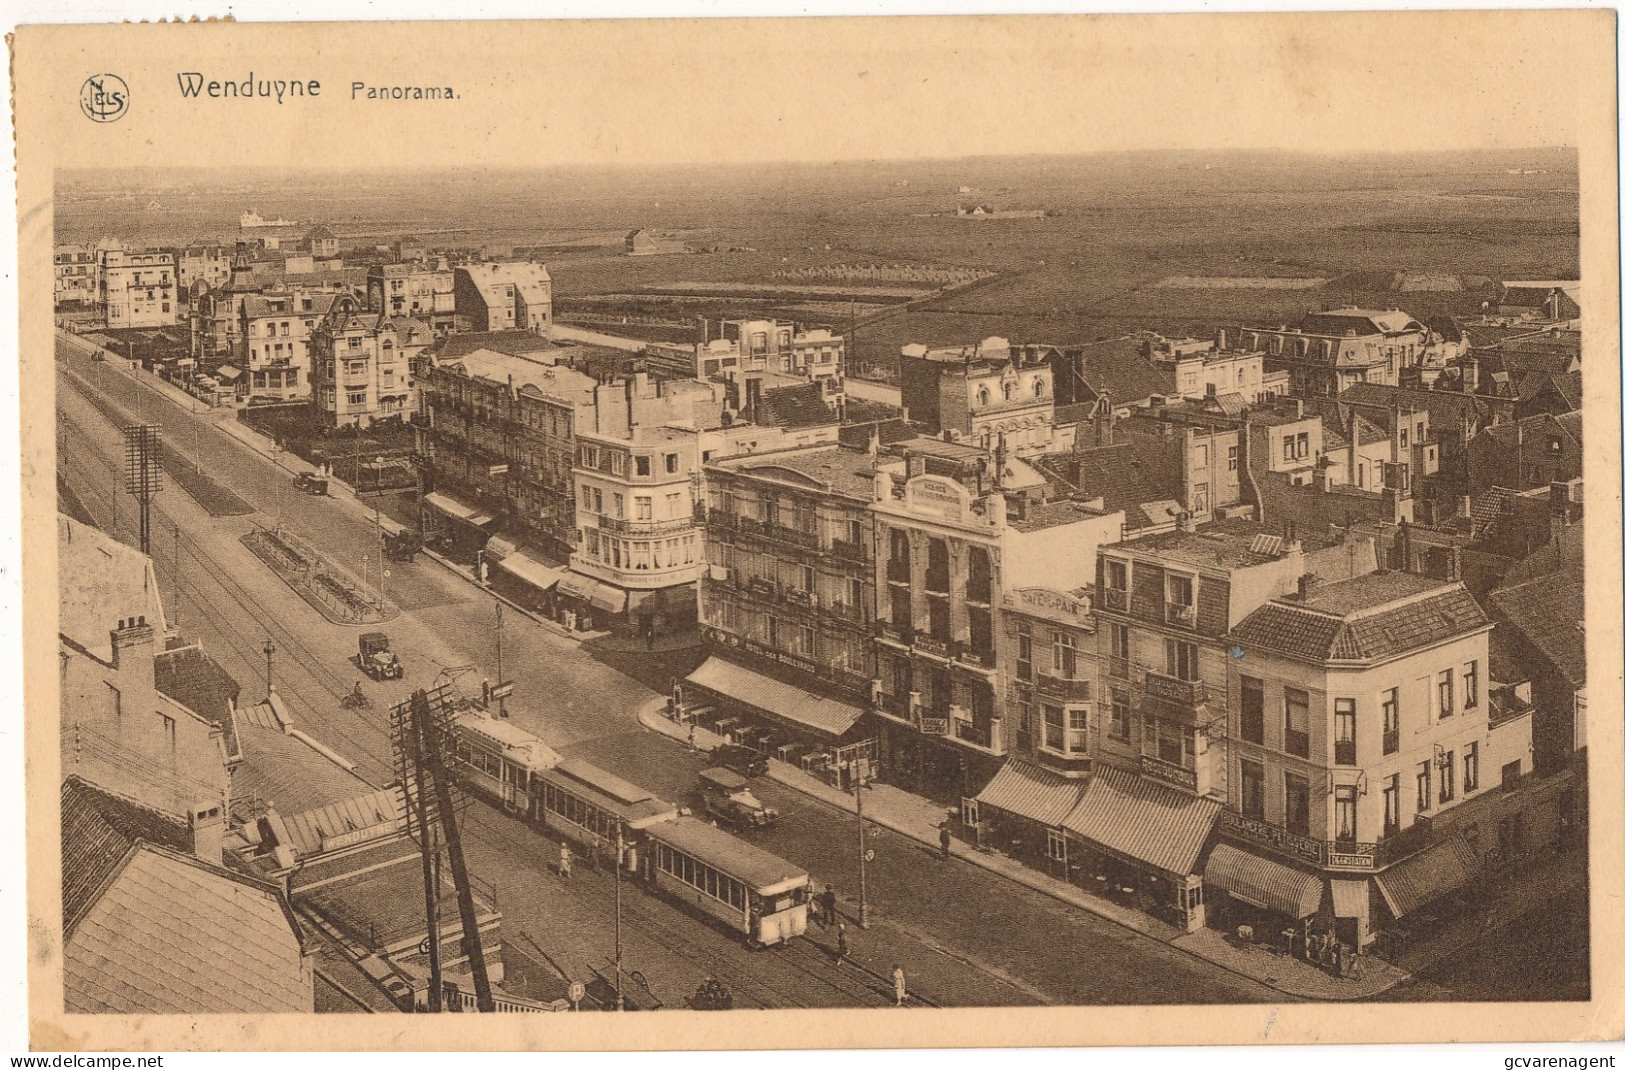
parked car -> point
(311, 483)
(727, 796)
(741, 760)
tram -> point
(498, 759)
(587, 804)
(751, 891)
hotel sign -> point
(938, 496)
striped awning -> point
(1033, 793)
(1263, 883)
(1424, 877)
(575, 585)
(775, 698)
(453, 508)
(524, 567)
(1139, 819)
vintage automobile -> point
(377, 660)
(727, 797)
(742, 760)
(311, 483)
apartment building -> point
(496, 440)
(639, 552)
(1361, 739)
(422, 291)
(505, 295)
(1210, 367)
(361, 367)
(74, 268)
(1332, 350)
(137, 289)
(273, 332)
(982, 392)
(953, 531)
(202, 267)
(1166, 603)
(770, 346)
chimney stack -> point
(208, 827)
(1307, 584)
(916, 464)
(130, 634)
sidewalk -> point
(919, 819)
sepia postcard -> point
(824, 532)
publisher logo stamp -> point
(104, 98)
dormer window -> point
(983, 397)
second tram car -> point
(579, 800)
(751, 891)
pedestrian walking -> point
(840, 943)
(946, 838)
(564, 861)
(691, 736)
(899, 984)
(826, 904)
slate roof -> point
(1370, 618)
(170, 935)
(195, 680)
(842, 470)
(98, 830)
(288, 773)
(111, 582)
(1550, 613)
(798, 406)
(1446, 408)
(513, 343)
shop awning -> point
(530, 570)
(1036, 794)
(227, 373)
(609, 599)
(1263, 883)
(1351, 899)
(575, 585)
(1424, 877)
(1149, 822)
(826, 716)
(454, 508)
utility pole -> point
(434, 741)
(429, 852)
(269, 650)
(863, 856)
(502, 701)
(143, 477)
(620, 863)
(177, 577)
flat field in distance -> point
(1115, 226)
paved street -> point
(932, 916)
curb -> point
(652, 716)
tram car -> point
(498, 759)
(751, 891)
(578, 800)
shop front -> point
(1261, 899)
(817, 733)
(454, 528)
(1416, 889)
(923, 762)
(1021, 812)
(525, 580)
(585, 604)
(1139, 842)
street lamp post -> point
(863, 855)
(269, 650)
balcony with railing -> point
(897, 570)
(1066, 689)
(624, 526)
(1179, 614)
(1176, 695)
(1343, 752)
(965, 730)
(1118, 668)
(849, 551)
(1115, 599)
(1390, 741)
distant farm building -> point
(648, 243)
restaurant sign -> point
(1052, 604)
(938, 496)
